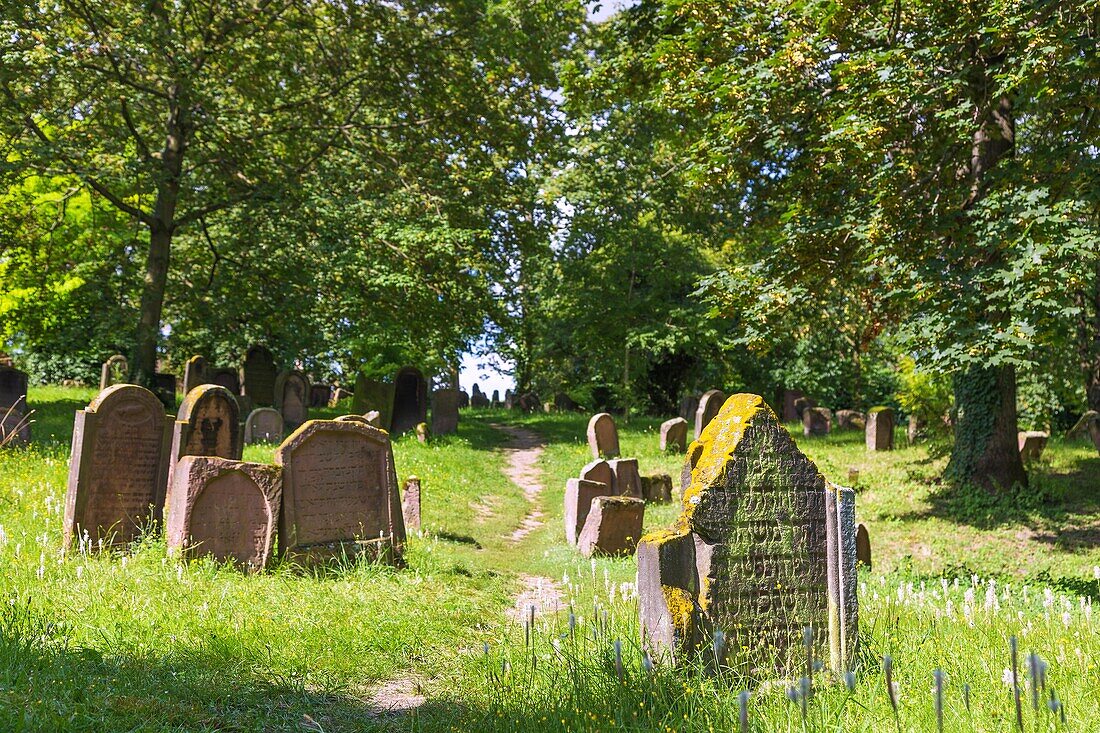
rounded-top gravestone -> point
(258, 376)
(603, 437)
(709, 405)
(292, 397)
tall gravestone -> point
(194, 373)
(258, 376)
(263, 425)
(14, 424)
(225, 509)
(116, 370)
(340, 494)
(674, 435)
(879, 430)
(292, 397)
(374, 394)
(709, 405)
(763, 549)
(225, 377)
(603, 437)
(444, 411)
(410, 400)
(118, 466)
(208, 424)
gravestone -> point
(410, 400)
(463, 400)
(194, 373)
(689, 405)
(164, 387)
(625, 477)
(263, 425)
(674, 435)
(598, 470)
(225, 509)
(802, 404)
(478, 400)
(373, 418)
(564, 403)
(410, 504)
(791, 413)
(816, 421)
(225, 377)
(850, 420)
(444, 411)
(208, 424)
(914, 430)
(292, 397)
(340, 494)
(603, 437)
(116, 370)
(1031, 444)
(528, 402)
(509, 399)
(863, 546)
(579, 493)
(258, 376)
(613, 526)
(879, 434)
(709, 405)
(764, 547)
(15, 427)
(118, 467)
(495, 401)
(374, 394)
(657, 488)
(319, 395)
(422, 433)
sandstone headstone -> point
(116, 370)
(444, 411)
(626, 479)
(850, 420)
(802, 404)
(224, 377)
(258, 376)
(319, 395)
(603, 437)
(15, 427)
(292, 397)
(764, 548)
(879, 433)
(1031, 443)
(657, 488)
(709, 405)
(340, 494)
(410, 504)
(208, 424)
(225, 509)
(816, 421)
(374, 394)
(478, 400)
(863, 546)
(194, 373)
(263, 425)
(674, 435)
(598, 470)
(613, 526)
(410, 400)
(118, 467)
(579, 494)
(689, 405)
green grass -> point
(138, 641)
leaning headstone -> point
(410, 504)
(194, 373)
(816, 421)
(849, 420)
(224, 377)
(863, 546)
(118, 467)
(625, 478)
(410, 400)
(258, 376)
(1031, 444)
(319, 395)
(657, 488)
(674, 435)
(225, 509)
(15, 426)
(764, 548)
(340, 494)
(709, 405)
(444, 411)
(263, 425)
(689, 405)
(579, 494)
(116, 370)
(292, 397)
(603, 437)
(879, 434)
(613, 526)
(374, 394)
(207, 425)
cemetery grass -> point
(137, 641)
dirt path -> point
(523, 450)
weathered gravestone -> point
(791, 398)
(879, 433)
(603, 437)
(118, 467)
(319, 395)
(463, 400)
(478, 399)
(850, 420)
(657, 488)
(598, 470)
(816, 421)
(564, 403)
(116, 370)
(164, 387)
(444, 411)
(674, 435)
(292, 397)
(194, 373)
(612, 527)
(1031, 444)
(374, 394)
(709, 405)
(410, 504)
(579, 493)
(340, 494)
(208, 424)
(863, 546)
(763, 549)
(802, 404)
(258, 376)
(225, 509)
(625, 477)
(263, 425)
(225, 377)
(689, 405)
(15, 427)
(410, 400)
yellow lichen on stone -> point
(717, 442)
(680, 608)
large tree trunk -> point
(985, 451)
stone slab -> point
(613, 526)
(579, 494)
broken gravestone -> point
(612, 527)
(879, 433)
(709, 405)
(674, 435)
(603, 437)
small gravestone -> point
(764, 547)
(791, 413)
(709, 405)
(816, 421)
(258, 376)
(374, 394)
(598, 470)
(603, 437)
(613, 526)
(15, 426)
(422, 433)
(340, 496)
(319, 395)
(579, 494)
(863, 546)
(207, 425)
(657, 488)
(116, 370)
(463, 400)
(194, 373)
(292, 397)
(689, 405)
(224, 509)
(850, 420)
(1031, 444)
(118, 467)
(444, 411)
(802, 404)
(879, 433)
(674, 435)
(528, 402)
(625, 477)
(164, 387)
(410, 504)
(263, 425)
(225, 377)
(478, 400)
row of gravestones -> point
(332, 491)
(402, 405)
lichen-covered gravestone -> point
(603, 437)
(15, 427)
(225, 509)
(816, 421)
(292, 397)
(674, 435)
(208, 424)
(340, 495)
(879, 433)
(118, 467)
(709, 405)
(612, 527)
(444, 411)
(763, 549)
(263, 425)
(258, 375)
